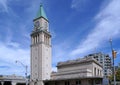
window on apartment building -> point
(105, 73)
(78, 82)
(67, 83)
(96, 56)
(101, 59)
(105, 70)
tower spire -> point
(41, 13)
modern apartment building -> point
(105, 61)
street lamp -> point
(25, 66)
(113, 57)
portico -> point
(11, 80)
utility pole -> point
(25, 66)
(113, 57)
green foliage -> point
(111, 78)
(117, 74)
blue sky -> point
(78, 28)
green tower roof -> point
(41, 13)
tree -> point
(117, 74)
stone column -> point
(31, 83)
(13, 83)
(2, 82)
(40, 83)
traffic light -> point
(114, 53)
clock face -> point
(37, 24)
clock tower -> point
(40, 49)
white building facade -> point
(40, 49)
(12, 80)
(85, 71)
(105, 61)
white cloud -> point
(53, 33)
(107, 25)
(60, 52)
(54, 69)
(4, 5)
(79, 4)
(10, 49)
(9, 55)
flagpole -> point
(113, 62)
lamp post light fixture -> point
(113, 57)
(25, 66)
